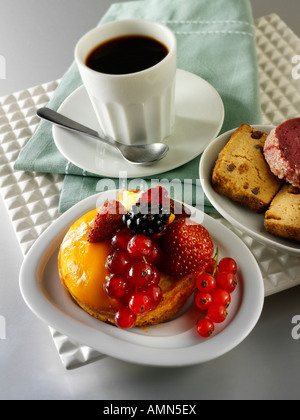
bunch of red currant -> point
(213, 294)
(134, 276)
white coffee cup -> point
(133, 108)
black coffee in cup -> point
(126, 54)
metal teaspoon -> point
(137, 154)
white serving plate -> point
(173, 343)
(241, 217)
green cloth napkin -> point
(216, 40)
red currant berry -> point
(155, 254)
(206, 282)
(155, 294)
(205, 327)
(226, 281)
(211, 265)
(141, 246)
(118, 262)
(156, 274)
(221, 296)
(116, 286)
(140, 273)
(202, 300)
(127, 295)
(228, 264)
(216, 312)
(140, 303)
(121, 239)
(124, 318)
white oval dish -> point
(173, 343)
(239, 216)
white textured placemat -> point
(32, 198)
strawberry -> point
(107, 221)
(187, 247)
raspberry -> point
(156, 195)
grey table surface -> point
(37, 38)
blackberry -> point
(146, 218)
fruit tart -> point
(135, 260)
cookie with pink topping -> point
(282, 151)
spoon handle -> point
(65, 122)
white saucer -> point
(172, 343)
(199, 115)
(241, 217)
